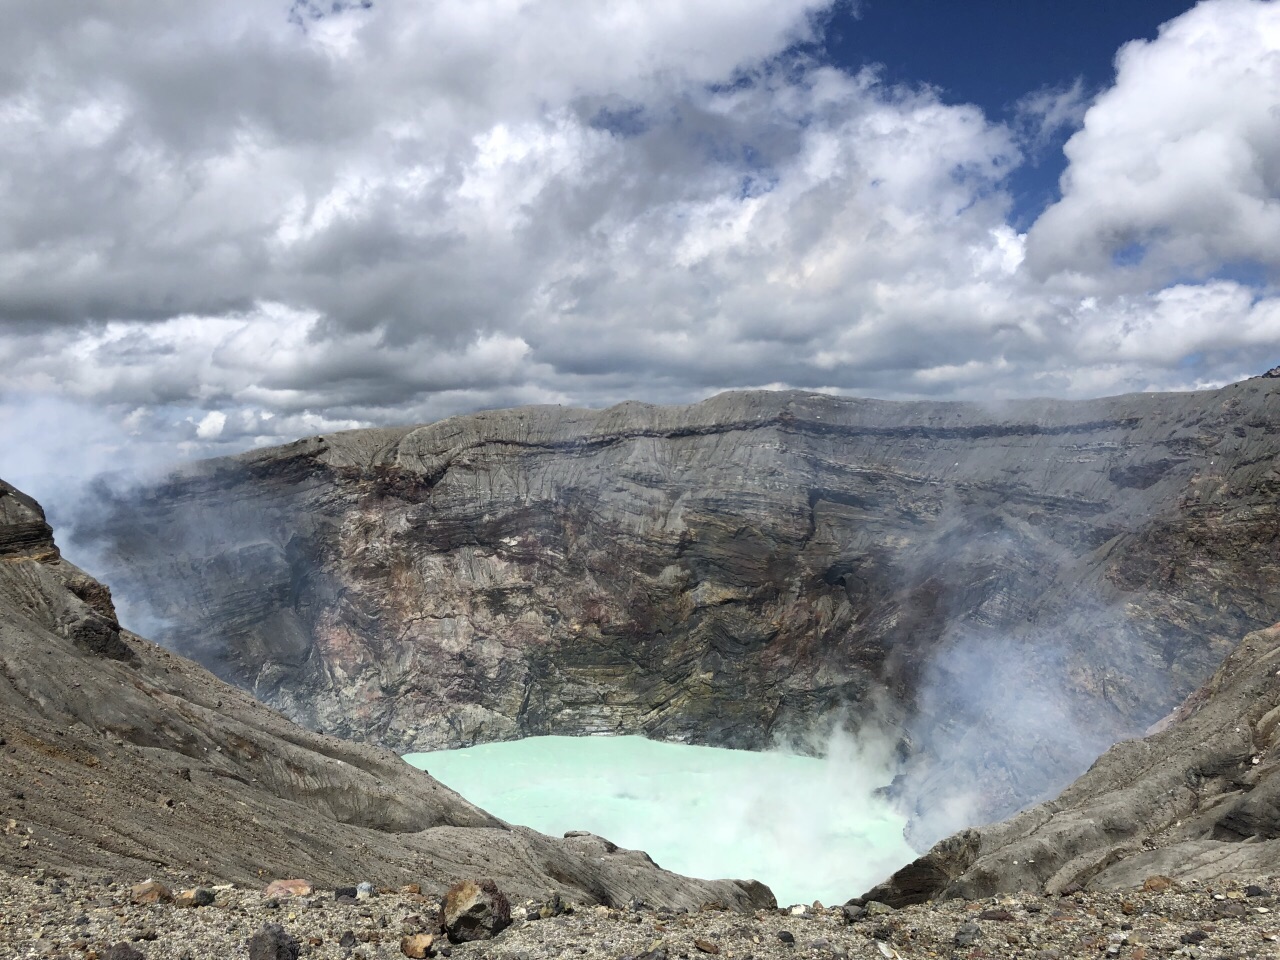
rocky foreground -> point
(102, 920)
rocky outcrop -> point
(1006, 589)
(117, 755)
(1197, 800)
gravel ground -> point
(98, 920)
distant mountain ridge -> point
(1003, 590)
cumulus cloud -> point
(232, 226)
(1176, 171)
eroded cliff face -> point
(1002, 591)
(119, 756)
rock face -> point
(1197, 800)
(117, 755)
(1005, 590)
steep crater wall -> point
(1004, 592)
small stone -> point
(195, 897)
(150, 891)
(288, 888)
(344, 893)
(273, 942)
(1157, 884)
(411, 888)
(364, 891)
(552, 908)
(967, 934)
(417, 945)
(1195, 936)
(1253, 890)
(853, 912)
(348, 940)
(877, 909)
(786, 937)
(123, 951)
(706, 946)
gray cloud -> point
(225, 226)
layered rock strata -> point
(1001, 590)
(119, 756)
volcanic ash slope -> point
(1198, 800)
(118, 756)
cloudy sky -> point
(230, 224)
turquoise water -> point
(811, 829)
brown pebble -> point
(1157, 884)
(706, 946)
(418, 945)
(150, 891)
(195, 897)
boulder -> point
(474, 910)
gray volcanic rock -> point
(118, 755)
(1199, 799)
(1005, 590)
